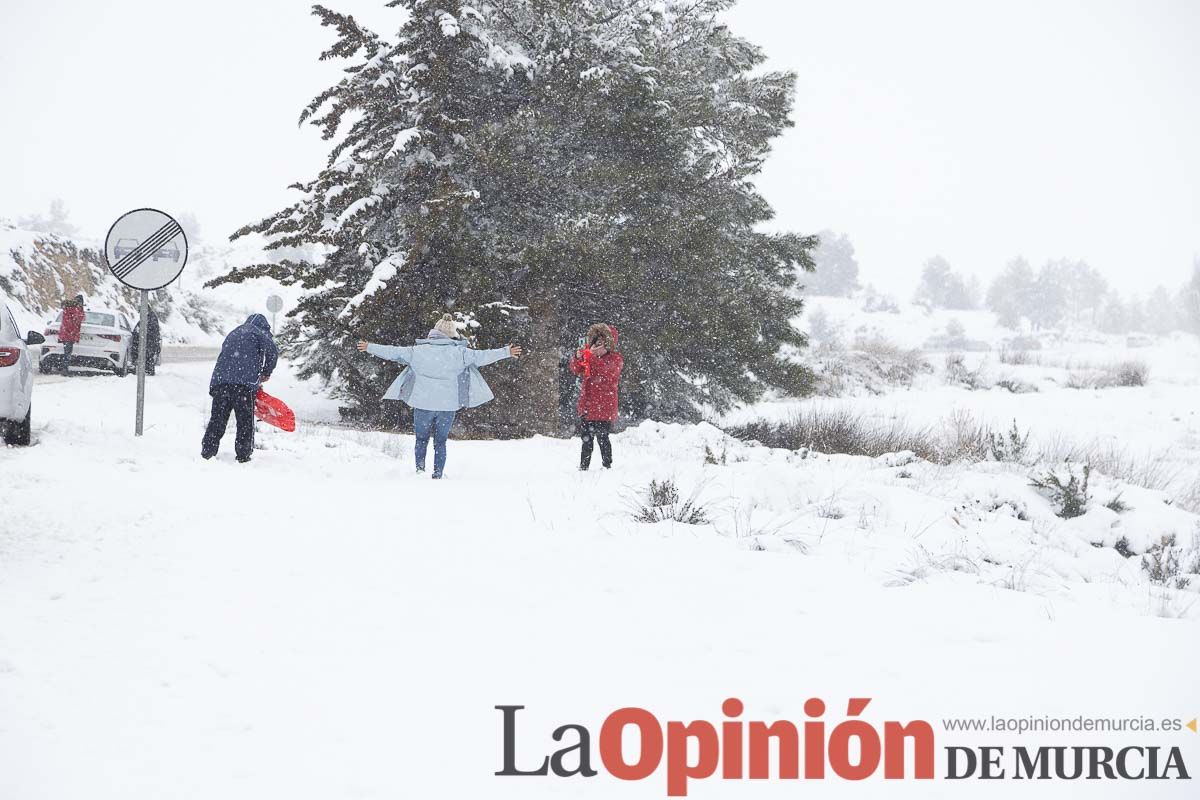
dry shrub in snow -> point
(661, 501)
(717, 458)
(958, 373)
(924, 564)
(872, 364)
(1123, 549)
(1018, 358)
(842, 430)
(1117, 505)
(1189, 497)
(839, 430)
(964, 438)
(1121, 373)
(1148, 470)
(1129, 373)
(742, 524)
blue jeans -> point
(437, 424)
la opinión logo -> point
(634, 744)
(734, 748)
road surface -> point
(173, 354)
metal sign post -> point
(145, 250)
(274, 305)
(143, 341)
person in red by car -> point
(599, 364)
(69, 329)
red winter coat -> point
(598, 395)
(72, 321)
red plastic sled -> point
(274, 411)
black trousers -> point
(68, 349)
(239, 400)
(590, 429)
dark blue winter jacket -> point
(248, 354)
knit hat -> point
(446, 326)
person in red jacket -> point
(599, 364)
(70, 328)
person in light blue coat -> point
(441, 375)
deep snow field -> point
(1148, 429)
(322, 623)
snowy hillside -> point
(37, 270)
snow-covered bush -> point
(1015, 385)
(1162, 562)
(958, 373)
(1009, 446)
(1068, 493)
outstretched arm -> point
(387, 352)
(481, 358)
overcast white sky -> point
(975, 130)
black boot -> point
(585, 454)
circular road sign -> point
(146, 249)
(274, 304)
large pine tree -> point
(587, 160)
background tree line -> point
(1060, 292)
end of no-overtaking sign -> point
(146, 249)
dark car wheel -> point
(19, 434)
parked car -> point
(105, 340)
(124, 247)
(16, 379)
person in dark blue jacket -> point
(247, 359)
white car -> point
(105, 339)
(16, 379)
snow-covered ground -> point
(1153, 428)
(323, 623)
